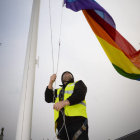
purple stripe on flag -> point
(77, 5)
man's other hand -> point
(59, 105)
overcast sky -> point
(112, 100)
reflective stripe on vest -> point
(73, 110)
(83, 103)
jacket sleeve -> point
(49, 97)
(79, 93)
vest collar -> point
(63, 86)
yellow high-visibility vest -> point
(71, 110)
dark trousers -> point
(72, 129)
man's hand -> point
(58, 106)
(52, 79)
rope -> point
(59, 40)
(63, 125)
(58, 57)
(51, 37)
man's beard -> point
(67, 81)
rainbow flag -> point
(123, 56)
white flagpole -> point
(26, 105)
(63, 3)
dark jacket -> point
(78, 95)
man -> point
(69, 108)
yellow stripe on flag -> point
(118, 58)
